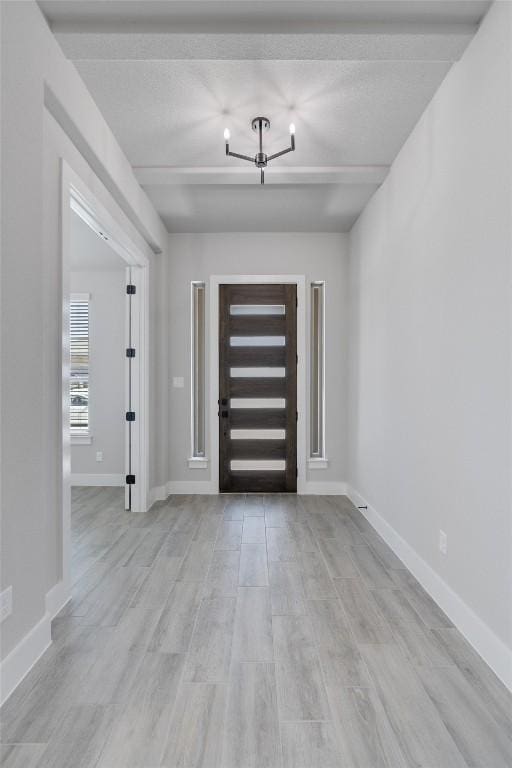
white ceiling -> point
(252, 208)
(89, 252)
(346, 112)
(353, 76)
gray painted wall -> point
(430, 385)
(197, 257)
(98, 270)
(106, 372)
(32, 147)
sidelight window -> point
(198, 370)
(317, 372)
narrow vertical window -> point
(198, 370)
(79, 363)
(317, 408)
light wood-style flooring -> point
(250, 632)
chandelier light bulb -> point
(227, 134)
(292, 129)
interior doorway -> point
(123, 397)
(99, 368)
(258, 388)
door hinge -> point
(130, 415)
(296, 471)
(131, 289)
(130, 479)
(130, 352)
(296, 415)
(296, 301)
(297, 359)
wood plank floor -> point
(250, 632)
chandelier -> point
(261, 160)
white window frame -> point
(84, 437)
(317, 459)
(198, 458)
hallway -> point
(250, 632)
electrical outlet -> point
(443, 542)
(99, 455)
(5, 603)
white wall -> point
(98, 270)
(430, 383)
(106, 373)
(196, 257)
(33, 143)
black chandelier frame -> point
(261, 159)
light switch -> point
(178, 382)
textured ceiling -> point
(353, 76)
(346, 112)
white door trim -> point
(300, 282)
(76, 196)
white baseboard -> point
(327, 488)
(157, 493)
(191, 486)
(177, 487)
(99, 479)
(56, 598)
(18, 663)
(488, 645)
(161, 492)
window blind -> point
(79, 363)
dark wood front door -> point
(258, 388)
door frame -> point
(76, 196)
(300, 282)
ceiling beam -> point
(164, 176)
(431, 46)
(264, 16)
